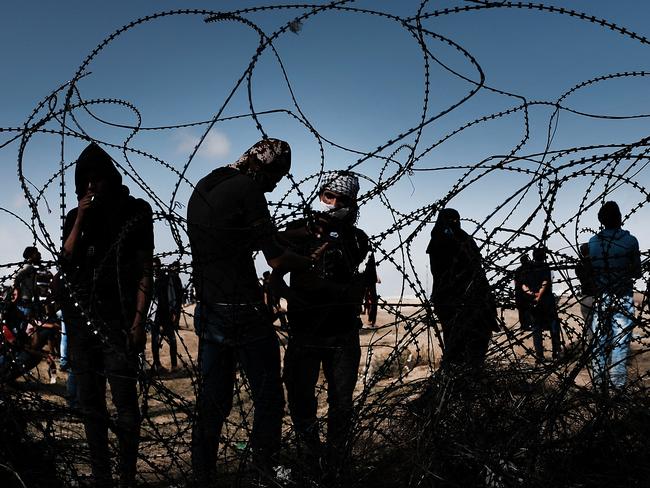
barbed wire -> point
(517, 424)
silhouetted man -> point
(167, 297)
(26, 283)
(106, 257)
(323, 306)
(537, 284)
(461, 293)
(616, 263)
(228, 220)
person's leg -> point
(155, 342)
(260, 361)
(213, 404)
(622, 324)
(170, 335)
(86, 359)
(556, 344)
(341, 368)
(300, 375)
(121, 371)
(538, 340)
(601, 331)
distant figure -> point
(228, 220)
(272, 301)
(323, 305)
(461, 293)
(588, 289)
(26, 283)
(537, 284)
(106, 259)
(523, 303)
(167, 298)
(616, 263)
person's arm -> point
(72, 238)
(143, 296)
(636, 269)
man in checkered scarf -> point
(323, 311)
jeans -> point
(340, 360)
(612, 324)
(260, 362)
(94, 362)
(538, 338)
(64, 344)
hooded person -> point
(106, 263)
(461, 294)
(228, 221)
(615, 264)
(323, 307)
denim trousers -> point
(259, 358)
(339, 358)
(612, 324)
(95, 362)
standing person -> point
(106, 258)
(228, 220)
(616, 263)
(461, 293)
(522, 299)
(272, 301)
(26, 283)
(588, 290)
(167, 303)
(537, 284)
(323, 306)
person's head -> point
(338, 195)
(610, 215)
(539, 254)
(524, 258)
(156, 264)
(96, 173)
(266, 275)
(32, 255)
(448, 220)
(584, 249)
(266, 162)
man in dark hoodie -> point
(106, 259)
(616, 263)
(461, 293)
(228, 220)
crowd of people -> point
(101, 297)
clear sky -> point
(359, 80)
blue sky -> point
(357, 78)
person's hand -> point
(84, 204)
(318, 252)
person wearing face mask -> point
(228, 220)
(461, 295)
(323, 307)
(106, 263)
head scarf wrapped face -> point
(266, 162)
(343, 183)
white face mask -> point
(331, 210)
(325, 207)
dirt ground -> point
(399, 345)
